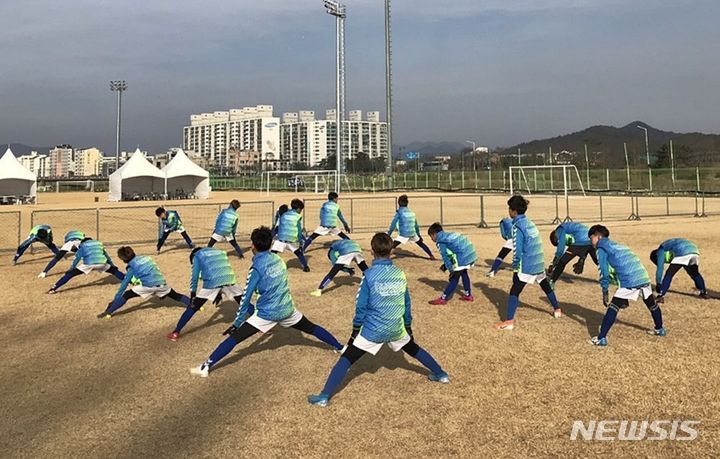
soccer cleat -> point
(341, 350)
(468, 298)
(319, 400)
(306, 269)
(657, 332)
(507, 325)
(203, 371)
(104, 315)
(52, 291)
(438, 301)
(440, 377)
(660, 299)
(703, 296)
(557, 313)
(490, 274)
(42, 275)
(596, 341)
(316, 292)
(350, 271)
(174, 336)
(432, 258)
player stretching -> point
(39, 233)
(458, 256)
(678, 253)
(145, 273)
(631, 277)
(226, 227)
(276, 218)
(268, 277)
(506, 233)
(407, 226)
(170, 223)
(382, 316)
(571, 240)
(71, 244)
(218, 279)
(528, 261)
(330, 213)
(90, 256)
(289, 233)
(342, 254)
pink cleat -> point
(438, 301)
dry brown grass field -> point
(74, 386)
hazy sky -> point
(496, 71)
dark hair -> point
(553, 238)
(192, 254)
(86, 239)
(159, 211)
(235, 204)
(403, 201)
(297, 204)
(382, 245)
(126, 253)
(653, 257)
(434, 228)
(599, 229)
(332, 195)
(518, 204)
(42, 233)
(262, 238)
(282, 209)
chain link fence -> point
(10, 235)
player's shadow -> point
(107, 280)
(152, 303)
(402, 253)
(711, 294)
(503, 266)
(436, 284)
(343, 280)
(223, 313)
(176, 248)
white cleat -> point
(203, 371)
(490, 274)
(42, 275)
(557, 313)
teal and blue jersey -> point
(34, 233)
(74, 235)
(528, 255)
(290, 227)
(571, 234)
(405, 222)
(382, 306)
(506, 228)
(269, 279)
(213, 266)
(330, 213)
(226, 222)
(343, 247)
(91, 252)
(141, 270)
(677, 247)
(455, 249)
(172, 222)
(629, 271)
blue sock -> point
(496, 264)
(326, 280)
(607, 322)
(184, 319)
(699, 282)
(657, 317)
(63, 280)
(187, 239)
(221, 351)
(429, 362)
(326, 337)
(336, 376)
(513, 302)
(237, 248)
(117, 303)
(553, 300)
(665, 286)
(466, 282)
(307, 243)
(425, 248)
(301, 256)
(452, 285)
(185, 300)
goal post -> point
(317, 180)
(521, 180)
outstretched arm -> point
(393, 224)
(252, 281)
(361, 304)
(660, 265)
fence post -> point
(567, 209)
(697, 210)
(557, 220)
(703, 207)
(667, 205)
(19, 227)
(607, 178)
(601, 208)
(441, 210)
(97, 224)
(482, 223)
(633, 215)
(352, 214)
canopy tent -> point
(15, 179)
(136, 176)
(184, 177)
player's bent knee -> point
(411, 348)
(304, 325)
(353, 354)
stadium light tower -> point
(388, 90)
(337, 9)
(118, 86)
(647, 154)
(473, 151)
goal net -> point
(322, 181)
(555, 178)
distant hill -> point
(20, 149)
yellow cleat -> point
(317, 292)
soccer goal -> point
(319, 181)
(525, 178)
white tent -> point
(15, 179)
(183, 174)
(136, 176)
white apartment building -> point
(88, 162)
(61, 161)
(35, 162)
(250, 129)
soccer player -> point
(382, 316)
(571, 240)
(170, 223)
(218, 279)
(268, 277)
(407, 226)
(678, 253)
(71, 244)
(528, 261)
(330, 213)
(289, 233)
(342, 254)
(631, 277)
(458, 256)
(505, 233)
(276, 219)
(90, 256)
(226, 227)
(39, 233)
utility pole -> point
(118, 86)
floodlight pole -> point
(118, 86)
(473, 152)
(337, 9)
(388, 91)
(647, 154)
